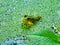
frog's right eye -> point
(28, 18)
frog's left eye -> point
(28, 18)
(25, 16)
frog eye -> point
(28, 18)
(25, 16)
